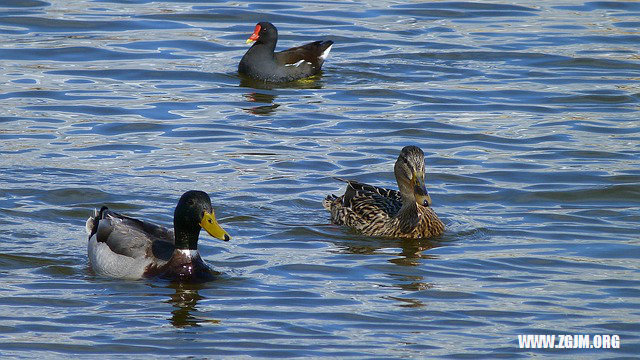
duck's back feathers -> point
(131, 237)
(313, 54)
(123, 247)
(357, 188)
(363, 207)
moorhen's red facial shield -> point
(256, 34)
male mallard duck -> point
(124, 247)
(262, 63)
(376, 211)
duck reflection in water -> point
(185, 301)
(268, 92)
(411, 250)
(411, 256)
(256, 97)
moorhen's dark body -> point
(262, 63)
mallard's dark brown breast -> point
(184, 266)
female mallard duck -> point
(124, 247)
(376, 211)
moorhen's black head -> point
(264, 33)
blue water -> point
(528, 116)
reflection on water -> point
(269, 92)
(185, 301)
(413, 252)
(256, 97)
(403, 252)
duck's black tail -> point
(92, 221)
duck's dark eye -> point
(210, 221)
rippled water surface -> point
(528, 116)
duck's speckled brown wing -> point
(369, 190)
(364, 207)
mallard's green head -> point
(409, 171)
(194, 212)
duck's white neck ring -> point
(188, 253)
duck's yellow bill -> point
(210, 225)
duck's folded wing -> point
(358, 188)
(371, 205)
(311, 53)
(132, 237)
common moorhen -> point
(262, 63)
